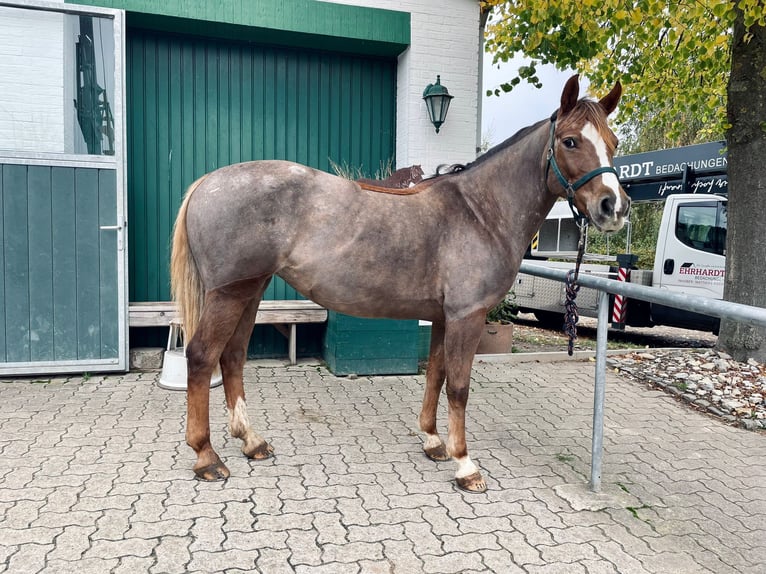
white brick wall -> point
(445, 41)
(32, 81)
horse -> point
(446, 252)
(401, 178)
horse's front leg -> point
(461, 340)
(434, 447)
(219, 319)
(232, 365)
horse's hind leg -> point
(220, 317)
(461, 340)
(232, 364)
(433, 446)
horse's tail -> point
(185, 283)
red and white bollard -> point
(618, 311)
(626, 262)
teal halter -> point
(568, 186)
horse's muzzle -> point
(608, 213)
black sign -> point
(691, 169)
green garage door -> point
(197, 104)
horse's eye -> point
(569, 143)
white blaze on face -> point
(590, 133)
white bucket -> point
(173, 376)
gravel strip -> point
(706, 379)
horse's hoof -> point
(437, 453)
(212, 472)
(261, 452)
(473, 483)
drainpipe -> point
(483, 16)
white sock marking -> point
(465, 467)
(432, 441)
(239, 425)
(238, 420)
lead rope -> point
(571, 315)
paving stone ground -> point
(95, 477)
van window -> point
(703, 226)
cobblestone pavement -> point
(95, 477)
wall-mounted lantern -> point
(437, 100)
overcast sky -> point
(504, 115)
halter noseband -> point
(568, 186)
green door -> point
(62, 254)
(60, 269)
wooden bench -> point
(283, 315)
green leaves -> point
(673, 58)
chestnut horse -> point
(446, 252)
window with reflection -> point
(56, 82)
(703, 226)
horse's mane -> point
(585, 110)
(514, 139)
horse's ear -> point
(610, 101)
(569, 95)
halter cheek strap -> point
(570, 187)
(571, 315)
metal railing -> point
(755, 316)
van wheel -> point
(550, 319)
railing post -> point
(745, 314)
(597, 446)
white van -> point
(690, 258)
